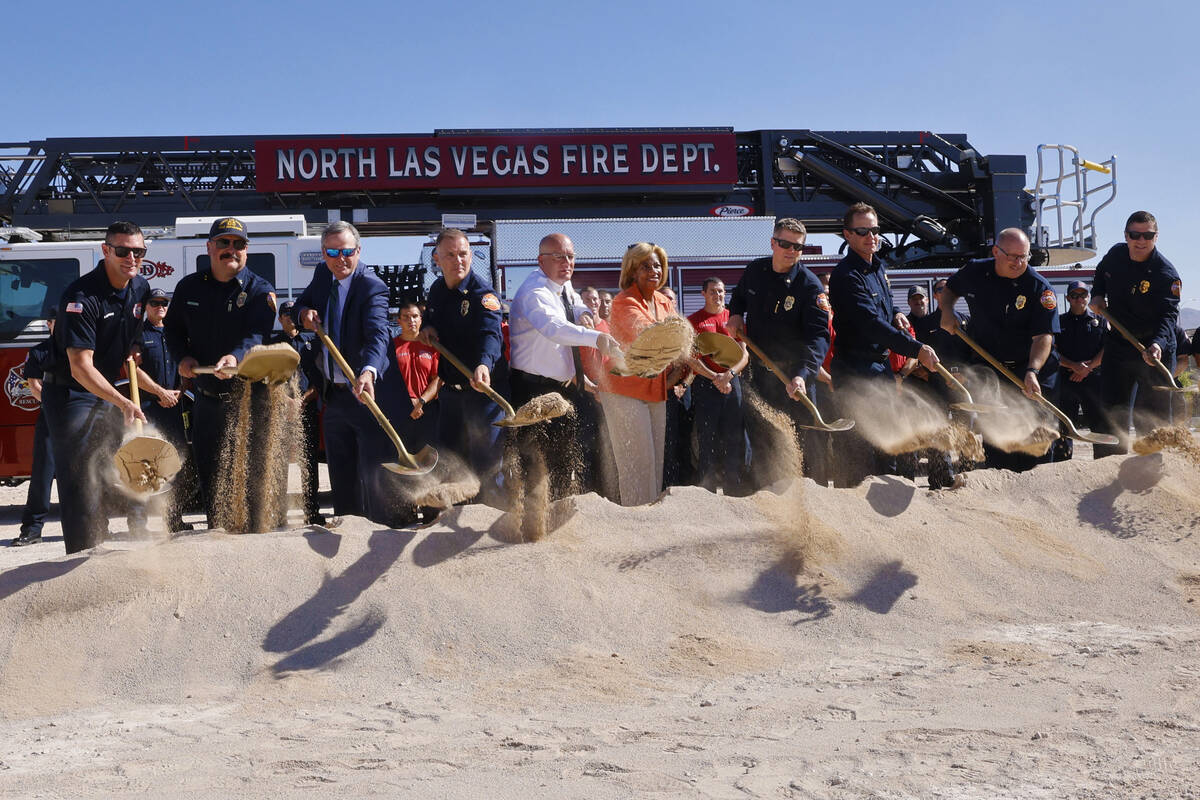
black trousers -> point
(1122, 373)
(552, 447)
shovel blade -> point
(837, 426)
(424, 460)
(1095, 438)
(979, 408)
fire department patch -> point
(137, 310)
(1049, 301)
(1019, 302)
(17, 389)
(823, 301)
(789, 303)
(490, 302)
(1176, 287)
(271, 300)
(1144, 287)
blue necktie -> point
(333, 321)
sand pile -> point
(1030, 635)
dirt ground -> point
(1026, 636)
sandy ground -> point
(1027, 636)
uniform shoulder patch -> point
(75, 308)
(1176, 287)
(823, 301)
(490, 302)
(271, 300)
(1049, 301)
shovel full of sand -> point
(818, 423)
(406, 463)
(145, 464)
(539, 409)
(1094, 438)
(273, 363)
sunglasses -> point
(230, 244)
(334, 252)
(158, 303)
(635, 244)
(786, 245)
(122, 252)
(1147, 235)
(864, 231)
(1077, 295)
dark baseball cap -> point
(286, 307)
(913, 291)
(228, 226)
(158, 294)
(1073, 285)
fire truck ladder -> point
(1061, 199)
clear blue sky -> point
(1104, 77)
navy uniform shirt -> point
(37, 363)
(786, 315)
(864, 313)
(1006, 313)
(208, 319)
(1081, 336)
(92, 315)
(1143, 297)
(929, 331)
(156, 359)
(467, 321)
(304, 343)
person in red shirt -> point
(717, 402)
(418, 364)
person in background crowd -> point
(418, 364)
(1139, 288)
(931, 388)
(41, 474)
(1080, 344)
(606, 300)
(678, 469)
(309, 379)
(717, 402)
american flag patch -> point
(75, 308)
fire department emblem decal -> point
(156, 269)
(17, 389)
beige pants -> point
(638, 432)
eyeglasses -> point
(346, 252)
(786, 245)
(558, 256)
(635, 244)
(1077, 295)
(1147, 235)
(123, 252)
(230, 244)
(158, 303)
(864, 231)
(1013, 256)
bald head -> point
(556, 257)
(1011, 253)
(1013, 236)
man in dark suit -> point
(350, 301)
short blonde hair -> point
(635, 255)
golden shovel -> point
(1129, 337)
(818, 423)
(145, 464)
(425, 459)
(273, 363)
(539, 409)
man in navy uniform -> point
(309, 380)
(158, 385)
(216, 315)
(867, 326)
(1080, 344)
(463, 315)
(350, 302)
(99, 320)
(41, 474)
(1014, 318)
(1140, 289)
(782, 307)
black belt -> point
(224, 397)
(542, 380)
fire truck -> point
(705, 193)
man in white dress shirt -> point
(547, 323)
